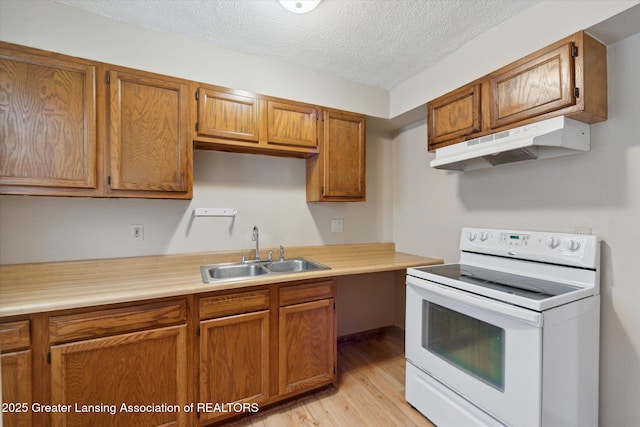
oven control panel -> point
(514, 239)
(574, 249)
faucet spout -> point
(255, 238)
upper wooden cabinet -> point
(239, 121)
(454, 115)
(48, 123)
(149, 141)
(227, 116)
(292, 125)
(338, 172)
(70, 128)
(566, 78)
(533, 87)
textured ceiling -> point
(379, 43)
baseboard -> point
(372, 334)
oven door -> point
(482, 350)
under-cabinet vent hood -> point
(554, 137)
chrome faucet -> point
(281, 253)
(255, 238)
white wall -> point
(599, 189)
(267, 191)
(60, 28)
(539, 26)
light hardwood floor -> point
(370, 392)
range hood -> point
(559, 136)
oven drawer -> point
(443, 406)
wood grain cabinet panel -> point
(292, 124)
(17, 390)
(455, 115)
(567, 78)
(149, 140)
(307, 346)
(338, 173)
(47, 122)
(537, 86)
(228, 116)
(234, 360)
(139, 368)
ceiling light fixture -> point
(299, 6)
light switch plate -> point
(337, 226)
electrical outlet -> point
(136, 232)
(337, 226)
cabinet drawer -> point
(115, 321)
(308, 292)
(15, 335)
(240, 302)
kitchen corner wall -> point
(599, 189)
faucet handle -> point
(281, 253)
(270, 256)
(244, 260)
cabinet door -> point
(228, 116)
(16, 388)
(307, 346)
(454, 116)
(139, 368)
(343, 153)
(534, 87)
(47, 120)
(234, 360)
(150, 148)
(292, 125)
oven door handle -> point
(476, 301)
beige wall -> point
(599, 189)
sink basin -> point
(212, 273)
(295, 265)
(231, 271)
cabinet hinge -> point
(574, 51)
(49, 358)
(197, 96)
(198, 331)
(108, 77)
(197, 127)
(576, 92)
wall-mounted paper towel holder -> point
(215, 212)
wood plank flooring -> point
(370, 392)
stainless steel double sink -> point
(212, 273)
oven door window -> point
(470, 344)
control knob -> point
(572, 245)
(471, 236)
(483, 236)
(552, 242)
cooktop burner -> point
(526, 287)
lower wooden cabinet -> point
(221, 354)
(306, 346)
(15, 340)
(234, 360)
(138, 378)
